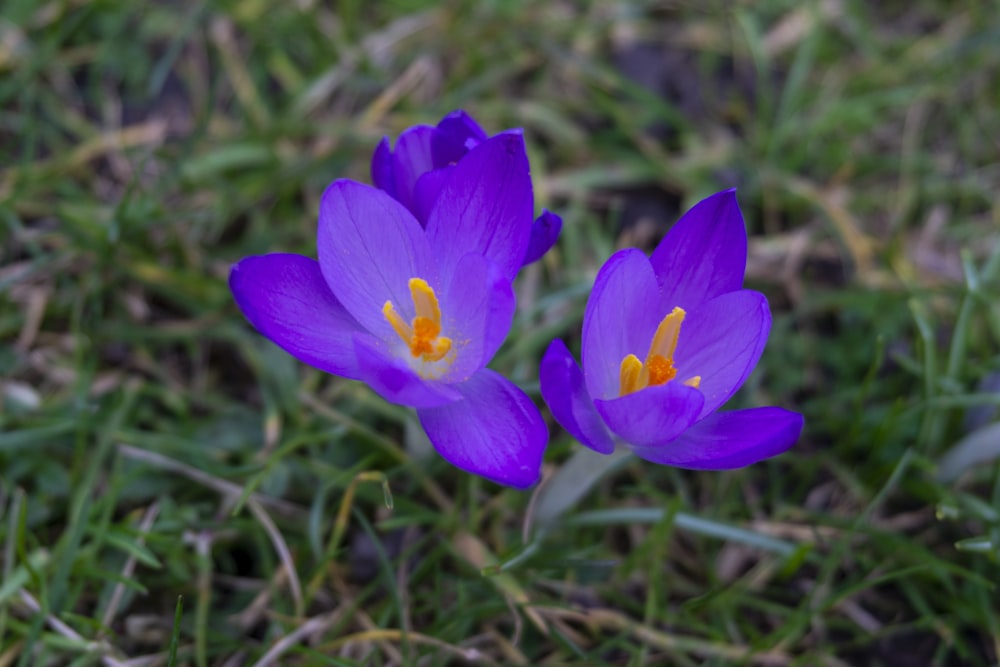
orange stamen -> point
(661, 370)
(423, 335)
(659, 365)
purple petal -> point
(704, 254)
(384, 369)
(722, 341)
(369, 248)
(730, 440)
(486, 206)
(544, 234)
(411, 159)
(383, 167)
(427, 191)
(652, 416)
(456, 133)
(621, 318)
(476, 312)
(286, 298)
(496, 432)
(565, 392)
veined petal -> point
(369, 248)
(728, 440)
(384, 370)
(704, 254)
(455, 135)
(496, 432)
(621, 317)
(565, 392)
(286, 298)
(485, 207)
(721, 341)
(544, 234)
(478, 308)
(653, 416)
(411, 159)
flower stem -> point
(570, 483)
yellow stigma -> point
(659, 365)
(423, 335)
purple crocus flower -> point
(417, 311)
(426, 157)
(667, 339)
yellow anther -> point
(425, 301)
(630, 374)
(403, 330)
(659, 365)
(665, 339)
(423, 336)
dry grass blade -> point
(101, 647)
(399, 636)
(313, 626)
(129, 569)
(288, 563)
(232, 492)
(614, 621)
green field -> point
(176, 490)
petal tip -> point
(544, 234)
(335, 188)
(496, 432)
(512, 141)
(525, 483)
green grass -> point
(176, 491)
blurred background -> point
(174, 490)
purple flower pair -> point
(413, 295)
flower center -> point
(423, 334)
(659, 365)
